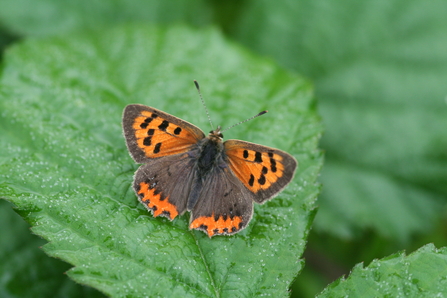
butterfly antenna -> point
(257, 115)
(203, 102)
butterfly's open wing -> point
(151, 133)
(224, 206)
(162, 142)
(162, 184)
(263, 170)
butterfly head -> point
(216, 135)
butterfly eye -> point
(220, 135)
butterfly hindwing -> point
(151, 133)
(263, 170)
(161, 184)
(224, 206)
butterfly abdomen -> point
(209, 156)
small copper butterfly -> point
(184, 170)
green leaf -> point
(380, 73)
(421, 274)
(5, 40)
(66, 167)
(23, 263)
(50, 17)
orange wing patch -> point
(155, 202)
(219, 226)
(158, 137)
(257, 170)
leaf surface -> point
(67, 169)
(420, 274)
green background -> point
(380, 79)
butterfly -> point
(184, 170)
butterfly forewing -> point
(151, 133)
(263, 170)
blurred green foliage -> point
(379, 70)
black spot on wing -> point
(252, 180)
(265, 170)
(163, 125)
(258, 157)
(147, 141)
(273, 165)
(157, 148)
(177, 131)
(261, 179)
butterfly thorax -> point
(211, 149)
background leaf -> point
(52, 17)
(67, 170)
(379, 69)
(21, 263)
(421, 274)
